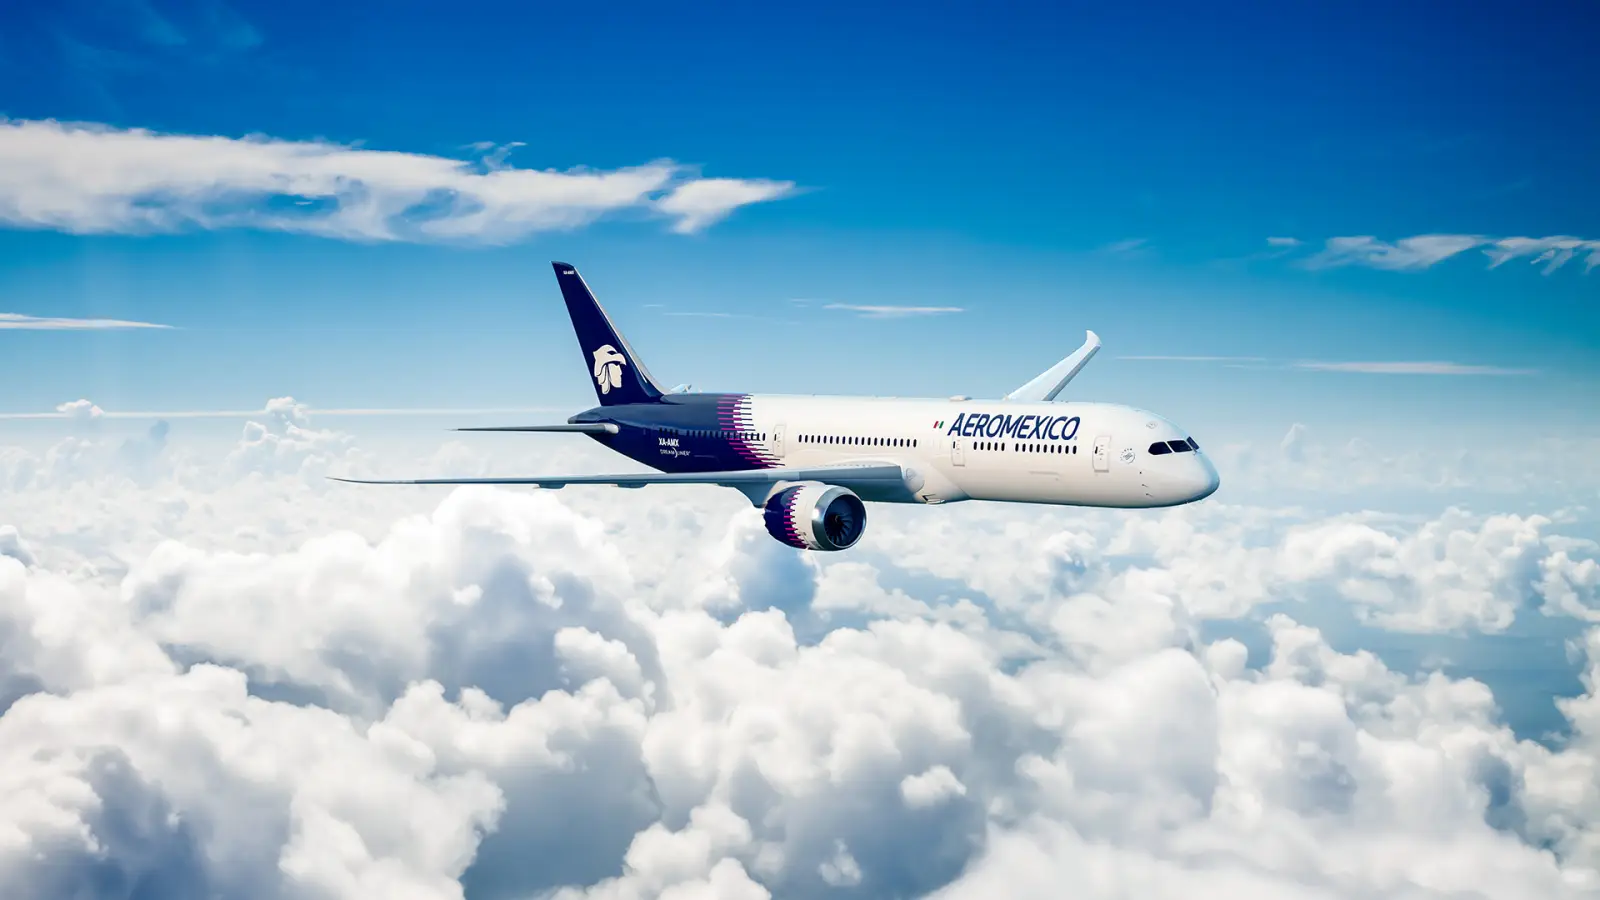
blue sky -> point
(1048, 170)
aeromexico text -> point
(1022, 428)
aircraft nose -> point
(1175, 480)
(1208, 480)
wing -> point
(578, 428)
(843, 475)
(1052, 380)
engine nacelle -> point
(815, 516)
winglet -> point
(1050, 382)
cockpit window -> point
(1193, 444)
(1158, 448)
(1179, 446)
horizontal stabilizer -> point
(843, 475)
(579, 428)
(1052, 380)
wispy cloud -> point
(1427, 250)
(713, 314)
(55, 323)
(80, 409)
(707, 201)
(87, 178)
(1554, 252)
(1425, 367)
(1127, 247)
(1418, 252)
(1200, 358)
(1283, 242)
(894, 312)
(1412, 368)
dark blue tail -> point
(618, 375)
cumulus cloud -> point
(285, 442)
(80, 410)
(504, 694)
(1426, 250)
(89, 178)
(1451, 573)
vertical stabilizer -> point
(615, 370)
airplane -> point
(811, 463)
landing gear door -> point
(958, 455)
(1102, 453)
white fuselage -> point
(1069, 453)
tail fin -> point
(618, 375)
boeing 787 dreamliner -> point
(813, 462)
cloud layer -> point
(221, 676)
(87, 178)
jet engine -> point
(815, 516)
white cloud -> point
(1413, 368)
(267, 688)
(286, 443)
(1427, 250)
(1283, 242)
(321, 412)
(1451, 573)
(86, 178)
(1396, 367)
(1222, 359)
(1293, 443)
(931, 787)
(842, 870)
(80, 410)
(706, 201)
(1554, 252)
(1410, 253)
(19, 321)
(894, 312)
(1126, 247)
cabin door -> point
(1102, 453)
(958, 455)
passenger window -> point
(1158, 448)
